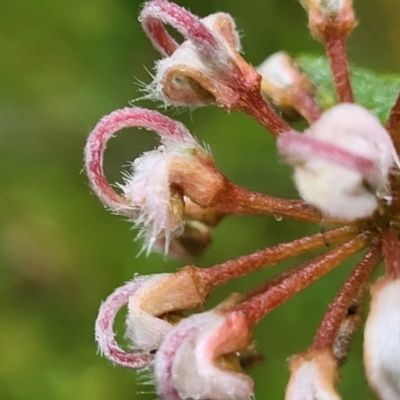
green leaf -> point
(375, 92)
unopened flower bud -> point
(153, 195)
(341, 162)
(147, 321)
(281, 79)
(329, 8)
(313, 377)
(206, 67)
(382, 339)
(197, 360)
(155, 303)
(157, 184)
(329, 15)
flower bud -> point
(157, 184)
(206, 67)
(154, 305)
(328, 15)
(281, 79)
(329, 8)
(148, 308)
(160, 208)
(382, 339)
(196, 359)
(313, 377)
(341, 162)
(153, 195)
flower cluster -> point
(344, 167)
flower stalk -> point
(327, 333)
(290, 284)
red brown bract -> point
(344, 169)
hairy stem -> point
(338, 310)
(258, 306)
(391, 252)
(222, 273)
(335, 45)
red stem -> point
(259, 305)
(238, 200)
(306, 106)
(222, 273)
(337, 312)
(255, 106)
(393, 124)
(391, 252)
(335, 45)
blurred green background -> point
(62, 66)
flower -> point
(382, 332)
(285, 84)
(153, 195)
(345, 170)
(381, 339)
(330, 17)
(153, 306)
(206, 67)
(342, 162)
(196, 359)
(314, 376)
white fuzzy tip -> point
(190, 363)
(313, 377)
(341, 162)
(382, 339)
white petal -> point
(382, 339)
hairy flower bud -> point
(341, 162)
(382, 339)
(206, 67)
(195, 359)
(326, 15)
(157, 184)
(160, 295)
(153, 195)
(313, 377)
(329, 8)
(154, 305)
(281, 78)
